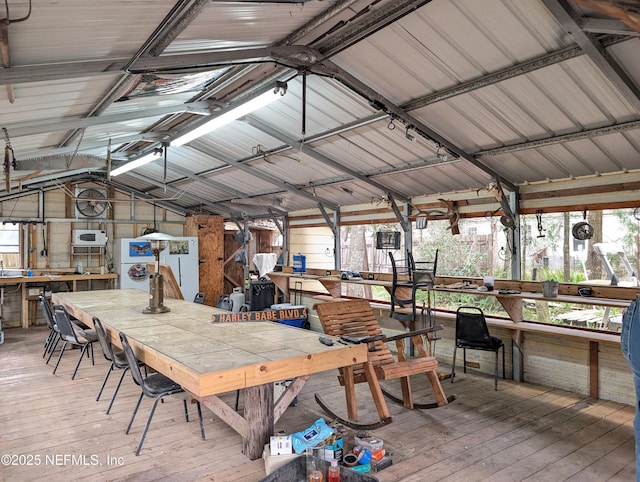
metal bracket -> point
(325, 215)
(401, 219)
(235, 221)
(276, 221)
(502, 199)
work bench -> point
(30, 288)
(512, 302)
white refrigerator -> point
(132, 256)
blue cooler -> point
(296, 322)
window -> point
(10, 245)
(549, 249)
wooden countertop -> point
(332, 284)
(45, 278)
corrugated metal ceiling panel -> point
(452, 176)
(627, 55)
(442, 45)
(71, 30)
(610, 153)
(377, 148)
(223, 25)
(194, 160)
(550, 101)
(329, 105)
(450, 42)
(52, 101)
(237, 140)
(296, 169)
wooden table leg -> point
(258, 412)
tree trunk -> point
(523, 248)
(566, 248)
(594, 264)
(358, 260)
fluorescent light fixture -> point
(137, 163)
(229, 116)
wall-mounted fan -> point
(507, 221)
(582, 231)
(91, 203)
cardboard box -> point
(281, 445)
(274, 462)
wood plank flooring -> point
(520, 432)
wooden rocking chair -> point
(355, 322)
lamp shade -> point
(156, 237)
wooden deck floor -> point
(520, 432)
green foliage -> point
(475, 255)
(455, 257)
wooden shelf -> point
(86, 250)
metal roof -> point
(402, 98)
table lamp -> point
(159, 242)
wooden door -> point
(210, 232)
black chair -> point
(54, 334)
(117, 358)
(472, 333)
(156, 386)
(408, 277)
(73, 335)
(402, 295)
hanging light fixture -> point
(223, 118)
(159, 242)
(152, 156)
(232, 114)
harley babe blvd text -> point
(266, 315)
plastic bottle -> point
(315, 476)
(334, 472)
(29, 273)
(313, 472)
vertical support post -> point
(517, 358)
(406, 225)
(516, 265)
(245, 270)
(594, 388)
(337, 247)
(285, 241)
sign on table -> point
(266, 315)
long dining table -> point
(209, 359)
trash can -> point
(261, 294)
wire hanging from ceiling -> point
(165, 147)
(9, 159)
